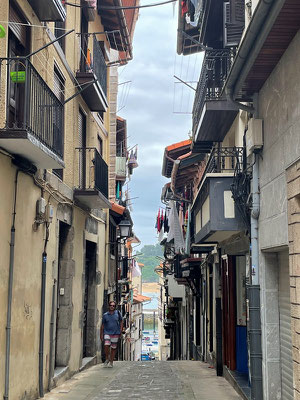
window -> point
(100, 145)
(58, 119)
(101, 115)
(112, 239)
(59, 30)
(18, 46)
(82, 148)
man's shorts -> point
(111, 340)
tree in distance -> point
(149, 258)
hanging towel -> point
(158, 221)
(188, 232)
(136, 270)
(166, 225)
(175, 230)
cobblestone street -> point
(185, 380)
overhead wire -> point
(30, 25)
(122, 7)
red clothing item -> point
(184, 8)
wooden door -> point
(229, 311)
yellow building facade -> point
(54, 203)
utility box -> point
(40, 208)
(254, 136)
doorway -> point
(64, 308)
(89, 302)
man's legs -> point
(107, 344)
(112, 354)
(113, 349)
(106, 351)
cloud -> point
(151, 122)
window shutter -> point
(15, 26)
(80, 128)
(237, 12)
(233, 28)
(57, 87)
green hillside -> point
(150, 260)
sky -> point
(149, 106)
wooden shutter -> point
(237, 12)
(57, 86)
(18, 30)
(234, 22)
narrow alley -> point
(184, 380)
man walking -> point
(111, 328)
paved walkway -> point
(184, 380)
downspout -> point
(51, 366)
(10, 289)
(42, 317)
(254, 288)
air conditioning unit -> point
(254, 136)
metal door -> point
(285, 328)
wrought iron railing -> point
(92, 59)
(93, 170)
(241, 189)
(224, 159)
(32, 106)
(215, 69)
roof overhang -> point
(114, 19)
(172, 152)
(272, 28)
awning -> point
(139, 298)
(117, 208)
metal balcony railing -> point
(92, 59)
(93, 170)
(32, 106)
(215, 69)
(224, 159)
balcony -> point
(48, 10)
(176, 291)
(91, 189)
(190, 267)
(215, 215)
(34, 127)
(92, 67)
(121, 168)
(212, 114)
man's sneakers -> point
(107, 364)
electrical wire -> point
(123, 8)
(30, 25)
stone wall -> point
(293, 194)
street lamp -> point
(124, 226)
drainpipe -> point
(51, 366)
(42, 317)
(10, 289)
(253, 289)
